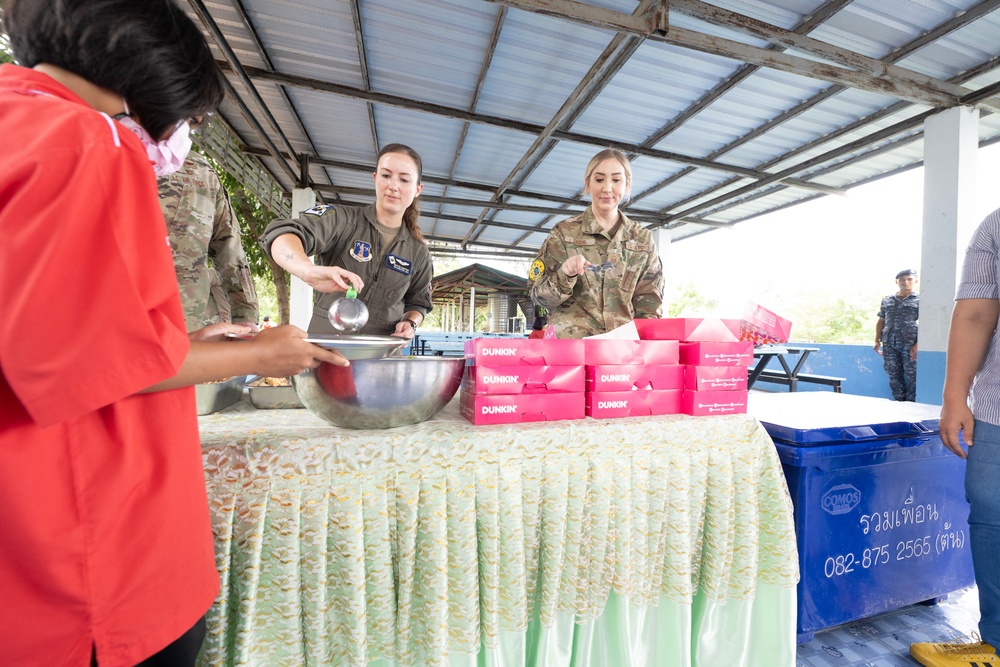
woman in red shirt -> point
(106, 554)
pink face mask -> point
(167, 156)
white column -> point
(472, 308)
(300, 294)
(661, 237)
(951, 139)
(461, 312)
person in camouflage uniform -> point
(896, 336)
(598, 270)
(212, 269)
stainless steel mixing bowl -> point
(380, 393)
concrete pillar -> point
(472, 308)
(951, 139)
(661, 237)
(300, 300)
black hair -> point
(147, 51)
(411, 216)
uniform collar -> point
(15, 78)
(371, 216)
(591, 226)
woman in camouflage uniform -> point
(599, 270)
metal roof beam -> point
(529, 128)
(237, 68)
(821, 14)
(882, 85)
(869, 75)
(428, 178)
(959, 21)
(363, 63)
(632, 43)
(638, 214)
(859, 144)
(945, 28)
(903, 79)
(499, 254)
(598, 17)
(251, 29)
(611, 60)
(483, 71)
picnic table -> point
(789, 372)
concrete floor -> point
(884, 640)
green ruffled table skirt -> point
(643, 541)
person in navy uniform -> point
(896, 336)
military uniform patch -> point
(362, 251)
(399, 264)
(537, 270)
(318, 210)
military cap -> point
(906, 272)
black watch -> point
(412, 323)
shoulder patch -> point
(362, 251)
(537, 270)
(318, 210)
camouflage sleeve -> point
(551, 287)
(418, 296)
(230, 260)
(647, 300)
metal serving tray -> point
(265, 397)
(218, 395)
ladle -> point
(348, 314)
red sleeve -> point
(93, 312)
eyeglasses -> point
(194, 122)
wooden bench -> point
(779, 377)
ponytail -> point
(411, 218)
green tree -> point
(688, 301)
(270, 280)
(828, 317)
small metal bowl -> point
(351, 346)
(380, 393)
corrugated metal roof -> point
(828, 94)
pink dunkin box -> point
(484, 380)
(705, 403)
(717, 354)
(631, 378)
(519, 408)
(685, 329)
(494, 352)
(609, 404)
(605, 351)
(719, 378)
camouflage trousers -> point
(902, 372)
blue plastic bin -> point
(881, 519)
